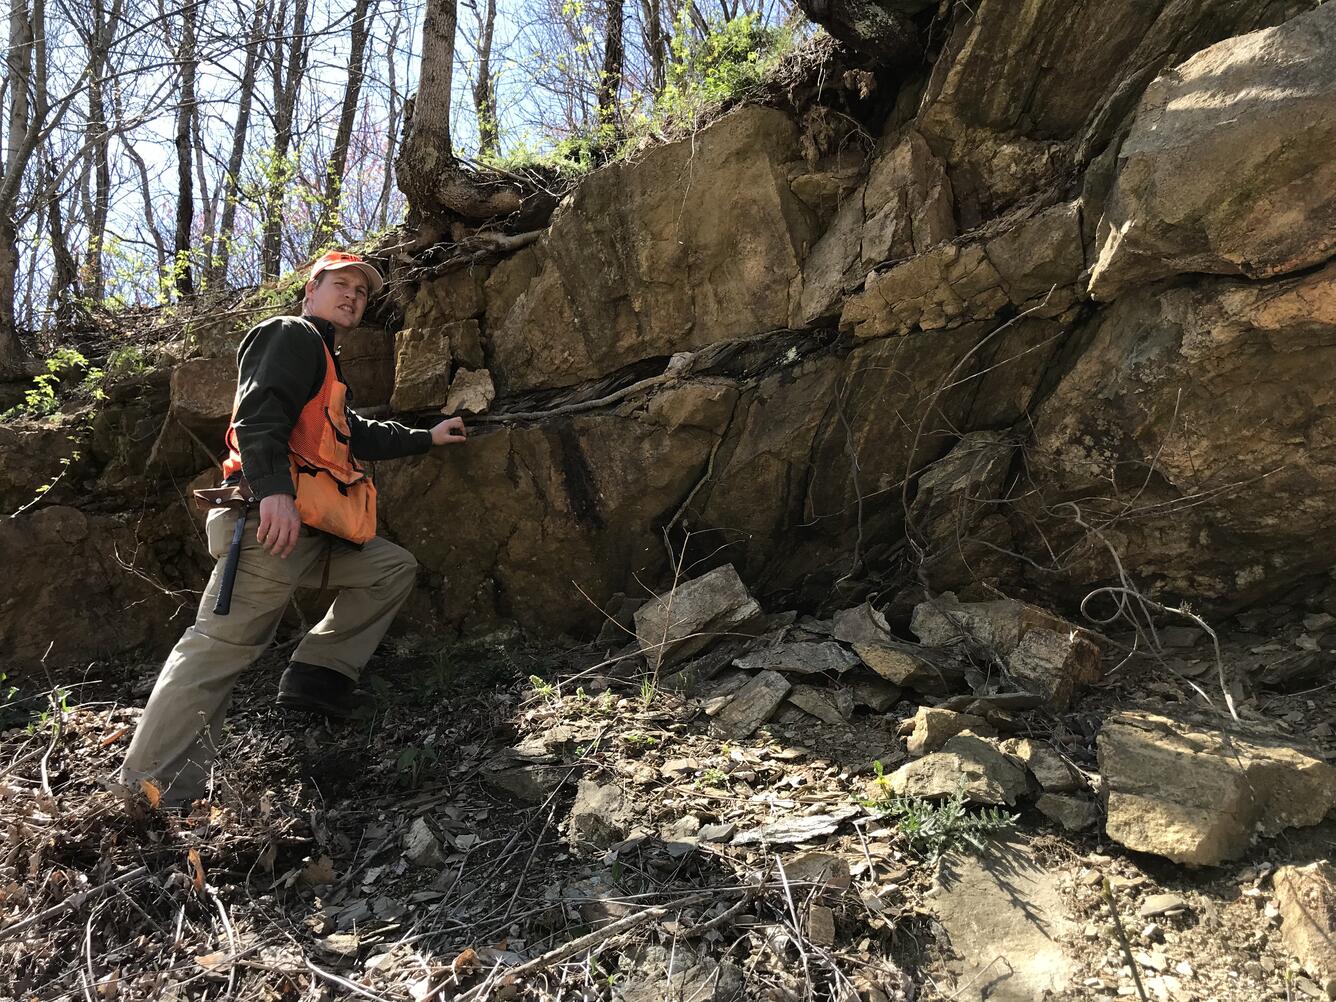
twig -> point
(1107, 888)
(598, 937)
(352, 986)
(231, 940)
(73, 901)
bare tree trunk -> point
(392, 131)
(287, 84)
(428, 172)
(338, 160)
(185, 201)
(610, 80)
(484, 88)
(655, 41)
(147, 193)
(19, 70)
(231, 181)
(65, 270)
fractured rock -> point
(598, 815)
(1198, 792)
(932, 727)
(834, 706)
(421, 845)
(673, 626)
(968, 763)
(831, 872)
(1074, 813)
(752, 705)
(801, 658)
(1053, 774)
(1052, 664)
(954, 491)
(877, 694)
(861, 625)
(1306, 900)
(531, 783)
(793, 830)
(1227, 167)
(471, 392)
(421, 368)
(896, 664)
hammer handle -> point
(224, 604)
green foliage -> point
(731, 59)
(714, 777)
(128, 362)
(41, 399)
(543, 689)
(934, 828)
(412, 762)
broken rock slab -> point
(1075, 814)
(471, 392)
(1197, 790)
(876, 693)
(1053, 665)
(599, 814)
(908, 670)
(422, 847)
(1049, 768)
(833, 706)
(752, 705)
(861, 625)
(966, 762)
(1306, 900)
(801, 658)
(684, 621)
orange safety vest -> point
(334, 494)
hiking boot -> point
(315, 689)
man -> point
(293, 445)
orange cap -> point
(342, 259)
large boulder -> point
(1228, 166)
(693, 615)
(1198, 791)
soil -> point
(294, 880)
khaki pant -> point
(177, 737)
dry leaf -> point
(465, 963)
(198, 882)
(210, 960)
(151, 793)
(319, 871)
(113, 737)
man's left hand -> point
(449, 432)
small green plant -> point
(641, 741)
(543, 689)
(647, 691)
(934, 828)
(714, 777)
(126, 362)
(40, 400)
(412, 762)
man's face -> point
(338, 296)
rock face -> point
(1199, 793)
(1221, 175)
(935, 331)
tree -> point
(185, 201)
(338, 159)
(288, 67)
(610, 80)
(428, 171)
(231, 181)
(484, 88)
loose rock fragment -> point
(1049, 768)
(966, 762)
(1306, 899)
(898, 665)
(790, 831)
(752, 705)
(421, 845)
(802, 658)
(932, 728)
(823, 868)
(1075, 814)
(676, 625)
(1052, 664)
(599, 814)
(1197, 791)
(834, 706)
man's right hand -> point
(279, 524)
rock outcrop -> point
(937, 335)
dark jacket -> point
(279, 368)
